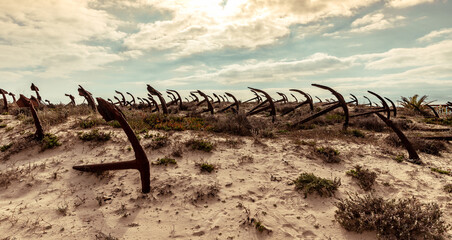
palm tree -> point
(416, 103)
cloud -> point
(435, 54)
(55, 38)
(442, 33)
(200, 26)
(253, 71)
(375, 21)
(406, 3)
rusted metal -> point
(13, 96)
(341, 103)
(320, 100)
(405, 142)
(72, 99)
(443, 138)
(433, 110)
(196, 99)
(296, 100)
(227, 99)
(5, 101)
(157, 108)
(35, 102)
(153, 91)
(222, 98)
(124, 102)
(141, 163)
(206, 99)
(259, 99)
(385, 108)
(370, 103)
(218, 99)
(355, 99)
(284, 98)
(235, 104)
(118, 101)
(307, 101)
(268, 100)
(133, 98)
(394, 109)
(88, 96)
(25, 102)
(36, 89)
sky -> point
(392, 47)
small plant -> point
(62, 209)
(49, 141)
(328, 154)
(309, 183)
(95, 135)
(355, 133)
(440, 171)
(165, 161)
(399, 158)
(89, 123)
(3, 125)
(114, 124)
(177, 152)
(448, 188)
(206, 167)
(392, 219)
(365, 177)
(5, 147)
(158, 141)
(246, 159)
(201, 145)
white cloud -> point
(55, 37)
(442, 33)
(252, 71)
(376, 21)
(406, 3)
(432, 55)
(199, 26)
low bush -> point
(232, 124)
(200, 145)
(328, 154)
(206, 167)
(49, 141)
(309, 183)
(440, 171)
(95, 135)
(365, 177)
(391, 219)
(165, 161)
(158, 141)
(433, 147)
(5, 147)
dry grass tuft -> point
(309, 183)
(365, 177)
(392, 219)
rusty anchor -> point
(88, 96)
(260, 107)
(141, 163)
(340, 103)
(5, 101)
(153, 91)
(307, 101)
(385, 108)
(25, 102)
(36, 89)
(236, 104)
(72, 99)
(206, 100)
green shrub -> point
(3, 125)
(399, 158)
(158, 141)
(201, 145)
(95, 135)
(89, 123)
(309, 183)
(328, 154)
(366, 178)
(49, 141)
(165, 161)
(114, 124)
(440, 171)
(391, 219)
(5, 147)
(206, 167)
